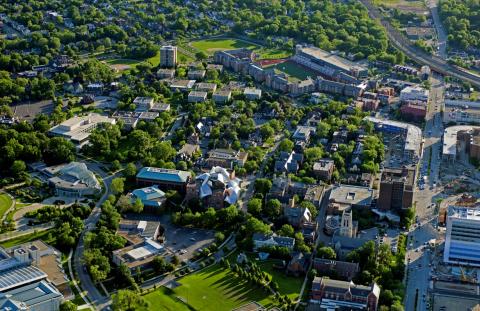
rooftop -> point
(30, 295)
(450, 138)
(464, 213)
(354, 195)
(78, 128)
(332, 58)
(163, 174)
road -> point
(86, 283)
(419, 255)
(441, 33)
(436, 63)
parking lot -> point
(184, 242)
(28, 110)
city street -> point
(442, 35)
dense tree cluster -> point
(462, 21)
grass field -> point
(5, 203)
(42, 235)
(287, 285)
(165, 298)
(209, 46)
(213, 286)
(294, 70)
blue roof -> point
(148, 193)
(163, 174)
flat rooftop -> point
(450, 138)
(354, 195)
(464, 213)
(331, 58)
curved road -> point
(434, 62)
(86, 283)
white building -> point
(414, 93)
(72, 180)
(461, 111)
(143, 103)
(78, 129)
(252, 93)
(462, 242)
(168, 56)
(197, 97)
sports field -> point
(5, 203)
(209, 46)
(213, 286)
(294, 70)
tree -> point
(116, 165)
(326, 252)
(130, 170)
(117, 185)
(58, 151)
(219, 237)
(262, 185)
(201, 55)
(287, 230)
(68, 306)
(254, 225)
(273, 208)
(18, 167)
(127, 300)
(286, 145)
(266, 131)
(254, 206)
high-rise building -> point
(462, 242)
(396, 188)
(168, 56)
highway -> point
(436, 63)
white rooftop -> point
(464, 213)
(450, 138)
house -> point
(298, 265)
(160, 107)
(323, 169)
(95, 88)
(166, 179)
(182, 85)
(72, 180)
(268, 240)
(297, 216)
(206, 87)
(226, 158)
(346, 294)
(143, 103)
(197, 97)
(309, 231)
(152, 198)
(197, 74)
(252, 93)
(314, 194)
(342, 269)
(288, 162)
(303, 133)
(222, 96)
(216, 67)
(165, 73)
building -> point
(187, 151)
(160, 107)
(252, 93)
(138, 256)
(323, 169)
(197, 97)
(462, 242)
(226, 158)
(72, 180)
(288, 162)
(348, 227)
(152, 198)
(414, 93)
(268, 240)
(397, 187)
(165, 73)
(165, 179)
(414, 111)
(345, 197)
(135, 231)
(206, 87)
(343, 269)
(238, 60)
(143, 103)
(37, 296)
(297, 216)
(461, 111)
(327, 64)
(217, 188)
(222, 96)
(196, 74)
(182, 85)
(168, 56)
(412, 136)
(458, 142)
(298, 265)
(303, 133)
(343, 295)
(78, 129)
(47, 259)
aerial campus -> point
(240, 155)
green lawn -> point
(164, 299)
(42, 235)
(293, 70)
(213, 286)
(209, 46)
(5, 203)
(123, 61)
(287, 285)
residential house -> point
(166, 73)
(323, 169)
(252, 93)
(288, 162)
(222, 96)
(197, 97)
(297, 216)
(206, 87)
(143, 103)
(197, 74)
(298, 265)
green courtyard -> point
(5, 203)
(211, 45)
(294, 70)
